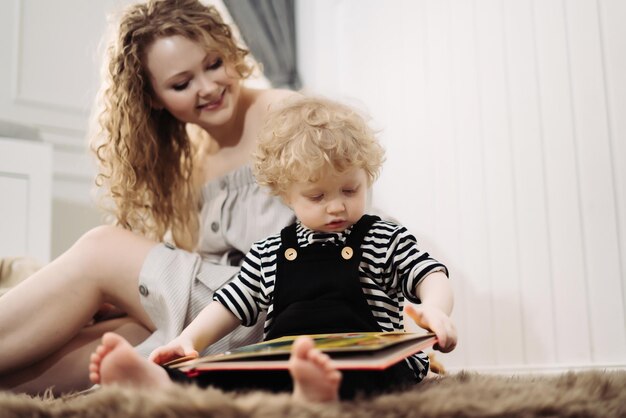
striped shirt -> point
(390, 269)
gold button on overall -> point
(291, 254)
(347, 253)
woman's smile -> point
(213, 104)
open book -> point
(354, 350)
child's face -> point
(193, 85)
(333, 203)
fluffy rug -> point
(586, 394)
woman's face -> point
(194, 85)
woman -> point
(177, 131)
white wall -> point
(505, 128)
(48, 77)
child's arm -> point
(213, 323)
(433, 313)
(424, 281)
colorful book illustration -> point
(349, 351)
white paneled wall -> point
(505, 128)
(48, 78)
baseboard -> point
(537, 369)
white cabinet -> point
(25, 198)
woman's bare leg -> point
(48, 310)
(66, 370)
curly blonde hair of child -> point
(308, 136)
(146, 156)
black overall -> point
(317, 290)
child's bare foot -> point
(115, 361)
(314, 377)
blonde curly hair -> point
(308, 136)
(146, 156)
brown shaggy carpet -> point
(585, 394)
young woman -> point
(177, 132)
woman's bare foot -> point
(115, 361)
(314, 377)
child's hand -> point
(176, 348)
(435, 320)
